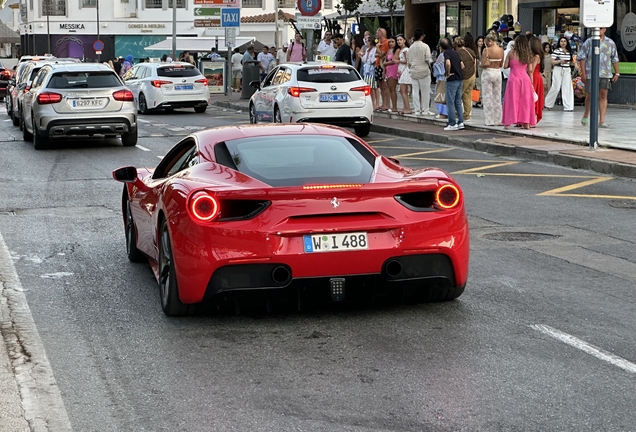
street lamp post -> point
(174, 30)
(97, 9)
(48, 28)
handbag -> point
(534, 95)
(476, 95)
(440, 92)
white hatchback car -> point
(168, 86)
(332, 93)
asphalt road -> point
(542, 339)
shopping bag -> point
(440, 92)
(476, 95)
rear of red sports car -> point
(324, 226)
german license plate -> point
(335, 242)
(87, 103)
(334, 97)
(183, 86)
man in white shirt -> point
(326, 47)
(264, 58)
(281, 55)
(237, 69)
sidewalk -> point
(559, 138)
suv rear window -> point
(69, 80)
(177, 71)
(322, 74)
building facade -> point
(69, 28)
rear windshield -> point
(327, 75)
(178, 71)
(296, 160)
(68, 80)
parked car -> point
(78, 99)
(168, 86)
(289, 209)
(332, 93)
(19, 68)
(21, 85)
(5, 76)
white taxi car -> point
(332, 93)
(167, 86)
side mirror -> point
(11, 82)
(255, 84)
(125, 174)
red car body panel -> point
(276, 234)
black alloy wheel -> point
(143, 105)
(134, 254)
(168, 288)
(277, 116)
(40, 142)
(253, 119)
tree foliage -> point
(390, 6)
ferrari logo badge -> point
(334, 203)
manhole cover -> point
(520, 236)
(624, 204)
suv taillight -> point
(296, 91)
(49, 98)
(123, 96)
(27, 88)
(365, 89)
(159, 83)
(203, 81)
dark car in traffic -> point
(5, 76)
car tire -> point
(168, 288)
(40, 142)
(200, 109)
(277, 116)
(134, 254)
(129, 139)
(253, 119)
(26, 135)
(362, 130)
(143, 105)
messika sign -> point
(72, 26)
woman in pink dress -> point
(518, 106)
(391, 63)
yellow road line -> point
(595, 196)
(559, 191)
(497, 165)
(529, 175)
(395, 147)
(381, 140)
(421, 153)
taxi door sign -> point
(309, 7)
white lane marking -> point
(57, 275)
(41, 400)
(160, 157)
(142, 120)
(586, 347)
(140, 147)
(8, 120)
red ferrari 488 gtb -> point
(306, 209)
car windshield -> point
(296, 160)
(175, 71)
(327, 74)
(69, 80)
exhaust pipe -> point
(58, 131)
(281, 275)
(393, 268)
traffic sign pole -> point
(593, 80)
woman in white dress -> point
(404, 77)
(368, 72)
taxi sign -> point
(323, 58)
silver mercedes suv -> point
(78, 99)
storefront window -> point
(459, 19)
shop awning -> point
(196, 44)
(7, 35)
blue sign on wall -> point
(230, 17)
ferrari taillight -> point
(159, 83)
(49, 98)
(123, 96)
(296, 91)
(447, 196)
(203, 207)
(365, 89)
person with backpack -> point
(297, 52)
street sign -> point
(209, 22)
(207, 12)
(597, 13)
(98, 45)
(221, 3)
(309, 7)
(309, 22)
(230, 36)
(231, 17)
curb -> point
(600, 166)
